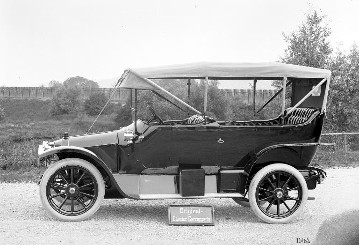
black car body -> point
(264, 163)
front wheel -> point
(72, 189)
(277, 193)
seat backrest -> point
(299, 115)
(195, 119)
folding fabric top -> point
(136, 78)
(233, 71)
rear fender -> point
(281, 153)
(78, 152)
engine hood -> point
(106, 138)
(89, 140)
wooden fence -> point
(45, 93)
(341, 140)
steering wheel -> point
(154, 116)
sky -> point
(45, 40)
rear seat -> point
(299, 115)
(270, 122)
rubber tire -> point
(241, 201)
(72, 162)
(260, 175)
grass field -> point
(28, 123)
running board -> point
(178, 196)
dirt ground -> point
(24, 221)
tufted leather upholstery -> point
(198, 119)
(271, 122)
(195, 119)
(299, 115)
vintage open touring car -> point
(264, 164)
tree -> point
(70, 94)
(343, 103)
(55, 84)
(94, 104)
(309, 45)
(217, 105)
(81, 82)
(65, 101)
(123, 116)
(2, 114)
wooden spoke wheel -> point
(72, 189)
(278, 193)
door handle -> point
(220, 141)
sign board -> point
(190, 215)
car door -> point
(236, 142)
(194, 144)
(154, 150)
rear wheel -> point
(277, 193)
(72, 189)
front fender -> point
(79, 152)
(65, 149)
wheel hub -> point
(279, 193)
(72, 190)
